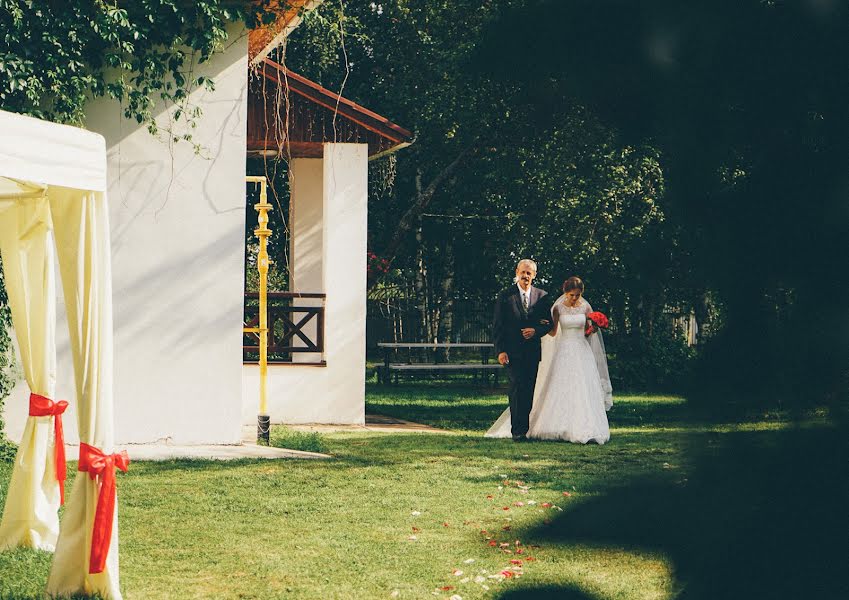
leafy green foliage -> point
(54, 56)
(649, 363)
(6, 362)
(545, 176)
(558, 186)
(744, 103)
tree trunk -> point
(411, 217)
(421, 282)
(446, 322)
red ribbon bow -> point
(94, 462)
(41, 406)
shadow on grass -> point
(548, 593)
(446, 406)
(460, 414)
(755, 515)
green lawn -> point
(673, 506)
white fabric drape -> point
(30, 516)
(51, 154)
(81, 229)
(596, 341)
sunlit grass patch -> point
(291, 439)
(431, 515)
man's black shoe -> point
(520, 438)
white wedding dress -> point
(573, 390)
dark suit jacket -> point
(510, 319)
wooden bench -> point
(416, 349)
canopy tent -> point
(53, 180)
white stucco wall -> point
(335, 393)
(178, 224)
(306, 241)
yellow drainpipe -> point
(262, 232)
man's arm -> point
(541, 314)
(498, 326)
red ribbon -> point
(97, 464)
(40, 406)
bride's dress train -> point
(573, 389)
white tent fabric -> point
(50, 154)
(59, 174)
(81, 228)
(30, 517)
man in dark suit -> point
(522, 317)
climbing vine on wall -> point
(55, 56)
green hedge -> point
(649, 363)
(7, 449)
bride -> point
(573, 390)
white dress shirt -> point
(526, 295)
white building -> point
(178, 243)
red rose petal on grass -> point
(519, 551)
(484, 532)
(519, 503)
(507, 573)
(505, 528)
(515, 561)
(447, 588)
(493, 543)
(529, 558)
(546, 504)
(566, 494)
(489, 497)
(506, 508)
(416, 530)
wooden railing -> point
(291, 329)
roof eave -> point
(288, 28)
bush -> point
(649, 364)
(7, 357)
(291, 439)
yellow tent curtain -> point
(30, 516)
(53, 204)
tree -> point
(54, 56)
(745, 102)
(490, 177)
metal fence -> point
(400, 319)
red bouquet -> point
(598, 320)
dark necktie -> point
(525, 301)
